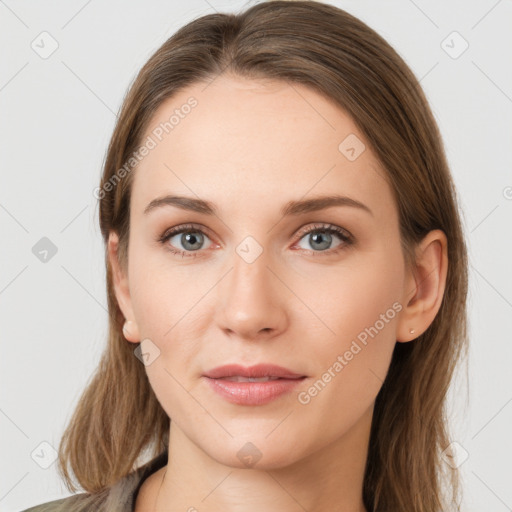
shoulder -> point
(83, 502)
(120, 497)
(71, 504)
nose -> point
(251, 300)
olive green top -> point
(120, 497)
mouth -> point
(239, 378)
(259, 371)
(255, 385)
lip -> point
(252, 393)
(256, 371)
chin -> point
(255, 452)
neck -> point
(330, 478)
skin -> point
(249, 147)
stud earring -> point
(411, 331)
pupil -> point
(192, 239)
(317, 238)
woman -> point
(286, 277)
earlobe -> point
(424, 287)
(130, 331)
(121, 290)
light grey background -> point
(57, 115)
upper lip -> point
(259, 370)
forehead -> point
(236, 138)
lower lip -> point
(252, 393)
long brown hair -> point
(118, 419)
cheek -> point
(350, 365)
(169, 312)
(354, 341)
(348, 298)
(165, 292)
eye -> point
(320, 237)
(192, 238)
(189, 236)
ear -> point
(122, 290)
(424, 286)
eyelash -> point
(345, 237)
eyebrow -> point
(291, 208)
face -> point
(259, 281)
